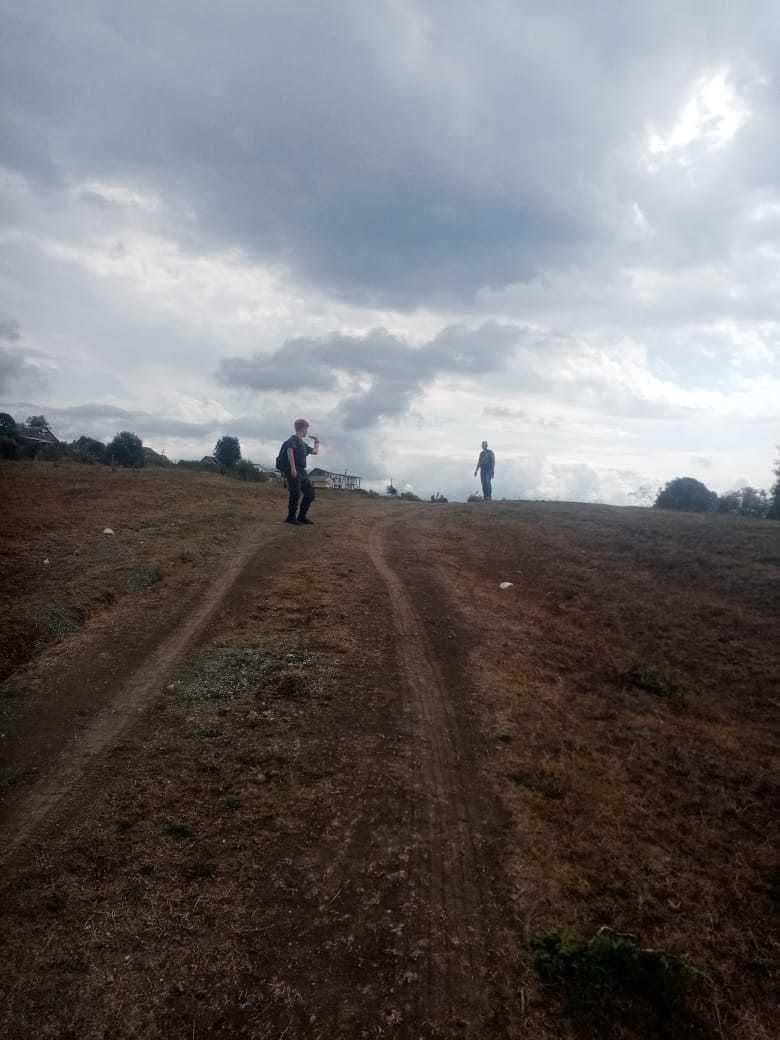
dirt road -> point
(336, 789)
(394, 842)
(66, 778)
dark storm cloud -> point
(394, 371)
(387, 152)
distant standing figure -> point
(486, 467)
(292, 462)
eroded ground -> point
(337, 783)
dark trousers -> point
(487, 483)
(303, 489)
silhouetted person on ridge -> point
(486, 467)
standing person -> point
(486, 467)
(292, 462)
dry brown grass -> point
(629, 685)
(167, 524)
(251, 860)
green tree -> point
(227, 451)
(744, 501)
(391, 490)
(729, 503)
(688, 495)
(752, 502)
(126, 449)
(7, 425)
(38, 422)
(90, 449)
(773, 512)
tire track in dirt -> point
(461, 932)
(67, 783)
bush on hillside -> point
(87, 449)
(773, 510)
(126, 449)
(196, 464)
(409, 496)
(246, 470)
(7, 425)
(391, 490)
(9, 449)
(687, 495)
(474, 498)
(227, 451)
(744, 501)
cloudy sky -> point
(418, 224)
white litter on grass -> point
(107, 530)
(45, 563)
(506, 584)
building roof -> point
(319, 472)
(154, 458)
(35, 435)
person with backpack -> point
(291, 461)
(486, 467)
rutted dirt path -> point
(291, 780)
(461, 913)
(67, 779)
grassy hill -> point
(371, 792)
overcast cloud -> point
(417, 224)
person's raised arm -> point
(316, 448)
(476, 468)
(291, 460)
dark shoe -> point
(292, 520)
(305, 520)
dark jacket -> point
(300, 450)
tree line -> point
(33, 438)
(691, 496)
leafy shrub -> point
(195, 464)
(7, 425)
(745, 501)
(474, 498)
(391, 490)
(87, 449)
(245, 470)
(773, 511)
(409, 496)
(688, 495)
(9, 449)
(127, 449)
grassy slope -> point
(625, 687)
(631, 678)
(167, 525)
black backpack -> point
(282, 462)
